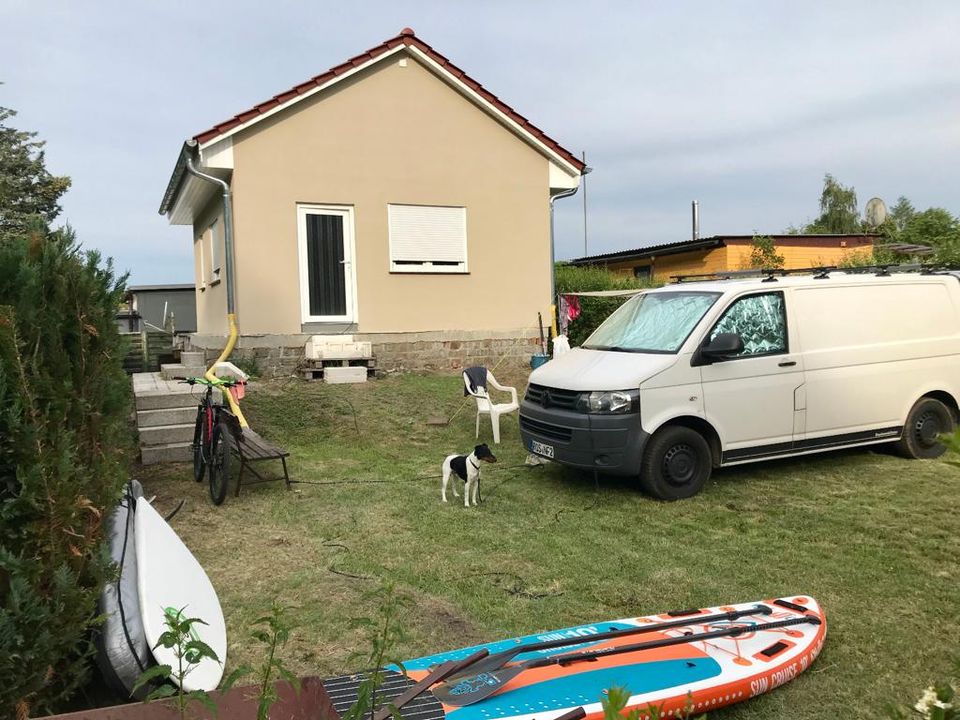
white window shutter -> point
(426, 238)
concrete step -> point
(166, 416)
(193, 357)
(163, 401)
(169, 453)
(169, 371)
(166, 434)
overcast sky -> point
(741, 105)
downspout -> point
(231, 309)
(553, 264)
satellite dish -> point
(875, 212)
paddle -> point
(499, 659)
(478, 687)
(440, 673)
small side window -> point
(760, 320)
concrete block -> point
(339, 375)
(167, 416)
(166, 434)
(170, 453)
(161, 401)
(193, 357)
(169, 371)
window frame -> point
(783, 312)
(427, 267)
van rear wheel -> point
(676, 464)
(927, 420)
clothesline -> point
(604, 293)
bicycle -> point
(211, 448)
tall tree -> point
(838, 209)
(27, 188)
(901, 214)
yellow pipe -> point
(231, 342)
(553, 319)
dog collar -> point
(475, 467)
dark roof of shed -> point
(707, 243)
(153, 288)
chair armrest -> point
(505, 388)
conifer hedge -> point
(64, 451)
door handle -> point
(787, 363)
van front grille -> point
(552, 397)
(542, 429)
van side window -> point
(760, 320)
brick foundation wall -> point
(283, 355)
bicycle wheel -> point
(199, 465)
(220, 463)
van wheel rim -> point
(679, 464)
(927, 428)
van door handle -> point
(787, 363)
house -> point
(393, 198)
(160, 307)
(729, 252)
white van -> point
(698, 375)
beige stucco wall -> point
(395, 135)
(211, 298)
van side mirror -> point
(722, 347)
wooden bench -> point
(250, 448)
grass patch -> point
(876, 539)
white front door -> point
(752, 398)
(327, 277)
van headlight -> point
(609, 401)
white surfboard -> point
(170, 578)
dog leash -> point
(359, 481)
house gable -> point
(394, 135)
(406, 42)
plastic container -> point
(538, 359)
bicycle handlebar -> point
(203, 381)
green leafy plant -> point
(181, 637)
(274, 631)
(616, 700)
(940, 701)
(249, 365)
(382, 636)
(952, 443)
(764, 255)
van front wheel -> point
(676, 464)
(927, 420)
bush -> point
(593, 310)
(64, 400)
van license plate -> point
(541, 449)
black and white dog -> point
(467, 468)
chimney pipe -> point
(695, 212)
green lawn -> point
(876, 539)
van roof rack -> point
(819, 273)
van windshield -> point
(652, 322)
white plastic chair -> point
(485, 406)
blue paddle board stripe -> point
(585, 631)
(587, 687)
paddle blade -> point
(469, 690)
